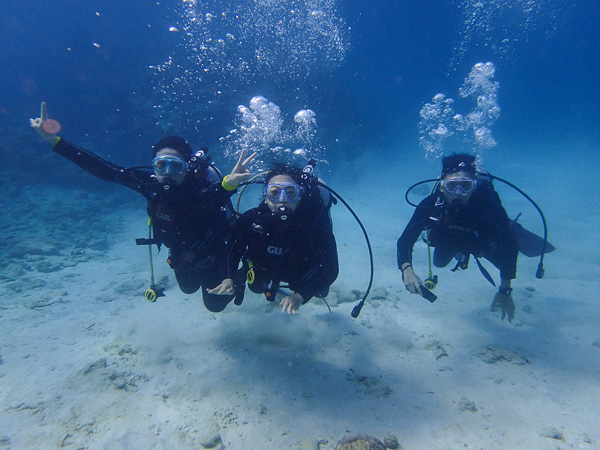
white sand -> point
(86, 362)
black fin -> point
(530, 244)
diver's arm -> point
(223, 253)
(99, 167)
(239, 242)
(217, 192)
(91, 163)
(413, 230)
(86, 160)
(509, 250)
(325, 268)
(411, 281)
(407, 240)
(508, 241)
(505, 285)
(221, 191)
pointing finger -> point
(43, 112)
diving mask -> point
(169, 165)
(282, 192)
(459, 186)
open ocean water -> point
(376, 91)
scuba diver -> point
(189, 205)
(464, 216)
(288, 238)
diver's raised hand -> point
(225, 288)
(506, 305)
(411, 281)
(240, 172)
(46, 128)
(291, 303)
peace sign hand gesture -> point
(240, 172)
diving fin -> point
(530, 244)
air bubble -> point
(439, 122)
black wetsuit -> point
(300, 251)
(193, 219)
(481, 228)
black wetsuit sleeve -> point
(325, 267)
(215, 194)
(508, 247)
(239, 242)
(413, 230)
(101, 168)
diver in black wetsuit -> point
(464, 217)
(288, 238)
(188, 203)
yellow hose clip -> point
(429, 284)
(150, 295)
(250, 276)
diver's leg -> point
(259, 282)
(211, 277)
(442, 255)
(215, 303)
(187, 276)
(188, 279)
(445, 248)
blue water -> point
(366, 69)
(399, 55)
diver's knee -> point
(188, 289)
(218, 304)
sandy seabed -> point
(87, 362)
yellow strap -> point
(226, 185)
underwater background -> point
(118, 79)
(376, 91)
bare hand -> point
(412, 282)
(506, 305)
(240, 172)
(291, 303)
(41, 125)
(225, 288)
